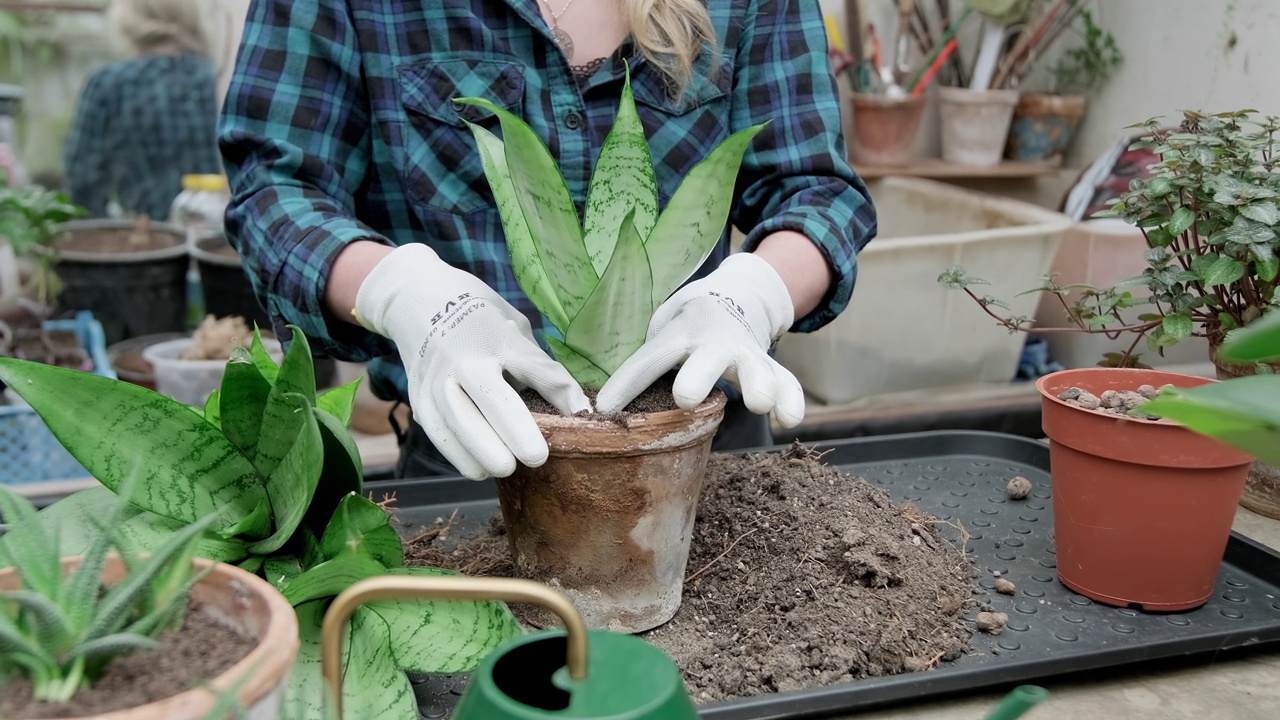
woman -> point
(143, 123)
(362, 209)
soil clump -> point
(799, 576)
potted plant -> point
(1045, 123)
(72, 626)
(274, 461)
(28, 219)
(608, 518)
(1210, 213)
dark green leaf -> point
(281, 570)
(292, 484)
(1182, 219)
(242, 402)
(343, 471)
(360, 526)
(115, 429)
(1244, 231)
(266, 364)
(1178, 326)
(212, 412)
(1222, 271)
(1267, 263)
(1257, 342)
(1241, 412)
(340, 401)
(331, 577)
(1263, 211)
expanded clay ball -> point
(1005, 587)
(992, 622)
(1019, 488)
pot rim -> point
(643, 434)
(179, 249)
(1043, 381)
(199, 251)
(265, 666)
(715, 402)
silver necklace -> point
(562, 38)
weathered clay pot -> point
(1044, 125)
(1262, 487)
(248, 603)
(885, 128)
(608, 519)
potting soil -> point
(799, 576)
(656, 398)
(205, 648)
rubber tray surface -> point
(959, 475)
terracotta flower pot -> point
(1142, 509)
(237, 597)
(608, 519)
(884, 128)
(1262, 487)
(1044, 125)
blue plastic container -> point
(28, 451)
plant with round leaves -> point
(599, 282)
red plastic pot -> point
(1142, 509)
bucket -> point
(128, 363)
(132, 291)
(191, 381)
(884, 128)
(1142, 509)
(975, 124)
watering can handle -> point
(401, 587)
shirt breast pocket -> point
(683, 131)
(442, 168)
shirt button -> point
(573, 120)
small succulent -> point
(595, 282)
(62, 630)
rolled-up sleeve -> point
(295, 141)
(796, 174)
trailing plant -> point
(1087, 67)
(1243, 412)
(275, 465)
(1210, 214)
(595, 282)
(60, 631)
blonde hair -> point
(671, 34)
(149, 24)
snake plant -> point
(61, 630)
(274, 466)
(599, 282)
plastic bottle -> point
(199, 210)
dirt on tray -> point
(656, 398)
(799, 576)
(205, 648)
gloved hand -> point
(456, 336)
(720, 326)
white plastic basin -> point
(191, 381)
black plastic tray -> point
(1051, 630)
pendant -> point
(564, 41)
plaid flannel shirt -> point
(339, 126)
(140, 126)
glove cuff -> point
(401, 268)
(756, 273)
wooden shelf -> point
(938, 169)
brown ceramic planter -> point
(1142, 509)
(250, 604)
(1262, 487)
(884, 129)
(1044, 125)
(608, 519)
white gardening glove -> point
(456, 336)
(720, 326)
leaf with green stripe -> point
(114, 428)
(280, 570)
(343, 471)
(694, 219)
(359, 526)
(266, 364)
(612, 325)
(281, 418)
(443, 636)
(526, 260)
(548, 208)
(340, 401)
(212, 414)
(331, 577)
(292, 483)
(587, 373)
(242, 401)
(621, 181)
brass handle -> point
(401, 587)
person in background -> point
(225, 25)
(143, 123)
(361, 208)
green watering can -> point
(547, 675)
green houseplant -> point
(274, 463)
(598, 283)
(29, 217)
(64, 621)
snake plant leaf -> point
(622, 180)
(548, 208)
(359, 526)
(143, 530)
(694, 219)
(613, 323)
(212, 413)
(280, 570)
(526, 260)
(331, 577)
(292, 483)
(1242, 412)
(115, 428)
(282, 419)
(583, 370)
(340, 401)
(242, 400)
(443, 636)
(342, 473)
(256, 524)
(372, 685)
(28, 547)
(266, 364)
(1257, 342)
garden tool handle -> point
(400, 587)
